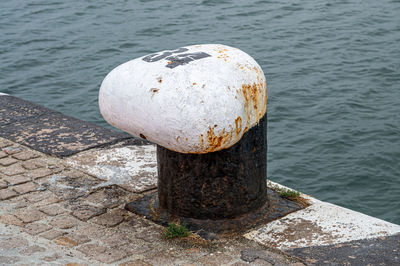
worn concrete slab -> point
(134, 168)
(13, 109)
(320, 224)
(375, 251)
(48, 131)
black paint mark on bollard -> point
(176, 57)
(217, 185)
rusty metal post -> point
(217, 185)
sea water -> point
(333, 71)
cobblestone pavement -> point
(51, 213)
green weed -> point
(288, 193)
(174, 231)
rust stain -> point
(238, 124)
(251, 93)
(159, 79)
(255, 100)
(194, 83)
(153, 91)
(216, 141)
(266, 95)
(223, 56)
(142, 136)
(201, 140)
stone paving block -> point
(29, 215)
(73, 173)
(51, 258)
(13, 242)
(85, 212)
(150, 235)
(40, 172)
(26, 155)
(103, 254)
(90, 230)
(16, 179)
(240, 263)
(36, 228)
(33, 164)
(32, 250)
(57, 167)
(7, 161)
(3, 184)
(3, 154)
(52, 234)
(7, 194)
(92, 250)
(136, 248)
(75, 264)
(108, 219)
(135, 263)
(70, 195)
(260, 262)
(14, 169)
(79, 238)
(17, 202)
(11, 220)
(5, 143)
(13, 149)
(109, 197)
(53, 209)
(216, 259)
(161, 258)
(64, 222)
(117, 239)
(42, 197)
(66, 242)
(8, 260)
(25, 188)
(135, 224)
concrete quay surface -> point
(64, 184)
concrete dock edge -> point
(64, 183)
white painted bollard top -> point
(194, 99)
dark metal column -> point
(217, 185)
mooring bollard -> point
(205, 108)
